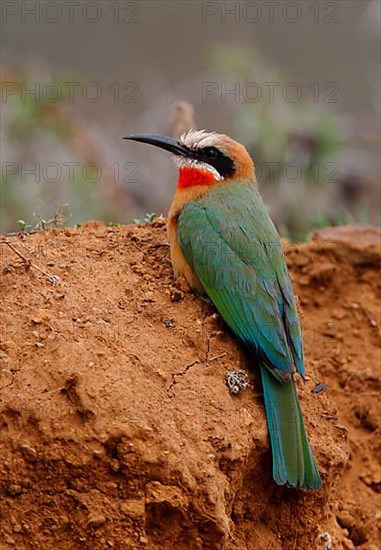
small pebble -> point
(96, 520)
(177, 295)
(319, 388)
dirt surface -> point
(117, 427)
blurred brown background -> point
(297, 82)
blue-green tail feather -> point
(293, 462)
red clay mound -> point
(117, 427)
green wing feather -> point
(230, 242)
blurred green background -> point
(296, 82)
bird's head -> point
(204, 158)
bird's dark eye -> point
(210, 152)
(218, 159)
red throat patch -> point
(189, 177)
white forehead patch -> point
(197, 139)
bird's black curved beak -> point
(164, 142)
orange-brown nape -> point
(213, 159)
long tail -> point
(293, 462)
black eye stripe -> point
(219, 160)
